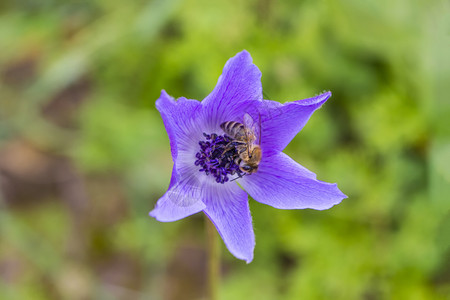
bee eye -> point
(247, 168)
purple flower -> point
(208, 165)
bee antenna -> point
(259, 121)
(237, 177)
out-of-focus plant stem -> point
(213, 260)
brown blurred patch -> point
(62, 107)
(12, 268)
(20, 71)
(122, 276)
(29, 176)
(26, 173)
(186, 274)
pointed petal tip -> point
(244, 53)
(164, 94)
(315, 101)
(244, 253)
(229, 211)
(339, 193)
(244, 58)
(154, 214)
(163, 100)
(247, 258)
(322, 98)
(284, 184)
(325, 94)
(167, 210)
(338, 197)
(160, 217)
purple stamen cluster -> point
(217, 157)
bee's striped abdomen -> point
(235, 130)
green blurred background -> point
(84, 155)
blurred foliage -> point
(84, 155)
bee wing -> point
(185, 192)
(250, 123)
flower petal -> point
(227, 207)
(239, 84)
(170, 207)
(284, 184)
(280, 123)
(178, 117)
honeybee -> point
(244, 141)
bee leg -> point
(230, 146)
(227, 148)
(242, 150)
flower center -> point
(217, 157)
